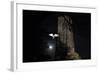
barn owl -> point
(53, 35)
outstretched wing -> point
(56, 35)
(51, 35)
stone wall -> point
(66, 37)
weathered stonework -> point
(66, 36)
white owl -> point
(53, 35)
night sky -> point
(38, 24)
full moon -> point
(50, 47)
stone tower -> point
(66, 36)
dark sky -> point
(38, 24)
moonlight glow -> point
(50, 47)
